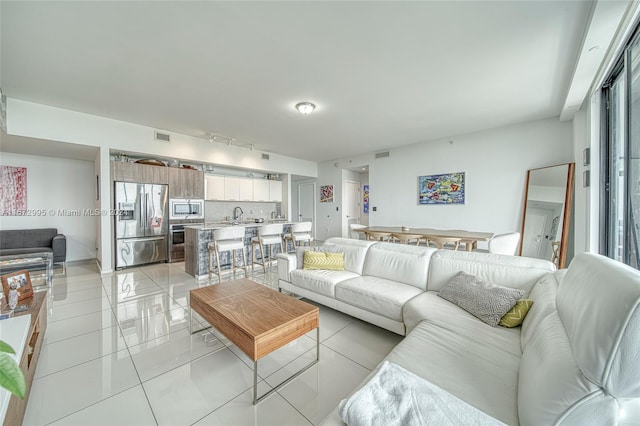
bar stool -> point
(441, 242)
(227, 239)
(301, 232)
(267, 235)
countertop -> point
(243, 223)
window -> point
(621, 159)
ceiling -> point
(382, 74)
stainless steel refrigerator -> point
(141, 225)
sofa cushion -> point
(378, 295)
(550, 381)
(478, 373)
(21, 238)
(543, 295)
(599, 305)
(16, 251)
(508, 271)
(322, 282)
(399, 262)
(354, 252)
(431, 308)
(484, 300)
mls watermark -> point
(64, 212)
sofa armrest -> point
(286, 264)
(59, 247)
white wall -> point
(495, 162)
(53, 184)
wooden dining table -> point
(469, 238)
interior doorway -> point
(351, 206)
(306, 204)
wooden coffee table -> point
(257, 319)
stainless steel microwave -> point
(186, 209)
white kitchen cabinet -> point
(261, 190)
(275, 190)
(245, 189)
(231, 188)
(215, 187)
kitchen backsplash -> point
(215, 211)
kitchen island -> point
(198, 237)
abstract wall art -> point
(13, 190)
(447, 188)
(365, 199)
(326, 194)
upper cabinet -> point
(275, 190)
(141, 173)
(261, 190)
(215, 187)
(233, 188)
(245, 190)
(185, 183)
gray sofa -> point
(25, 241)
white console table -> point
(14, 331)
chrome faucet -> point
(237, 215)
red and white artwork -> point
(13, 190)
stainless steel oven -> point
(176, 241)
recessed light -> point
(305, 107)
(364, 168)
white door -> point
(306, 204)
(351, 206)
(533, 234)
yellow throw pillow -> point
(516, 315)
(322, 260)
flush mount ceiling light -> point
(305, 107)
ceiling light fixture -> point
(305, 107)
(212, 137)
(251, 147)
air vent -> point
(162, 137)
(382, 154)
(265, 156)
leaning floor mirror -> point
(546, 219)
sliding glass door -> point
(621, 159)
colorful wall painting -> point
(365, 199)
(447, 188)
(326, 194)
(13, 190)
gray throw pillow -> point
(300, 253)
(483, 300)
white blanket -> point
(395, 396)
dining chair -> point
(268, 235)
(406, 238)
(231, 239)
(356, 235)
(504, 243)
(443, 242)
(300, 232)
(377, 235)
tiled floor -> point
(118, 351)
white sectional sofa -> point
(575, 357)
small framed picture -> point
(22, 281)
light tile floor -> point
(118, 351)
